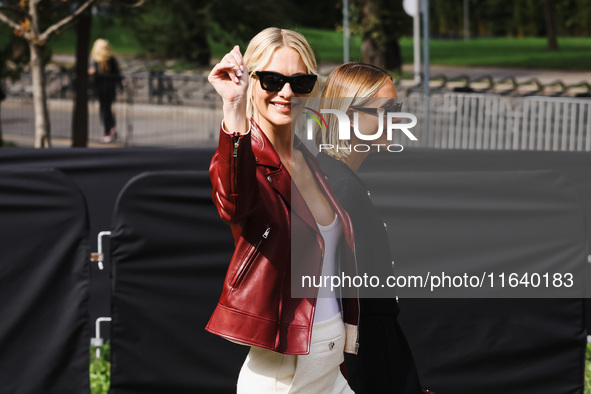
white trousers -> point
(266, 371)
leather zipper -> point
(248, 259)
(236, 141)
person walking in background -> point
(105, 70)
(384, 363)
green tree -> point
(36, 23)
(180, 29)
(173, 29)
(13, 56)
(382, 23)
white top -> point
(327, 305)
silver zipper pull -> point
(236, 142)
(266, 234)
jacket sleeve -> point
(233, 176)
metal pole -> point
(98, 340)
(426, 45)
(417, 43)
(346, 33)
(426, 70)
(466, 20)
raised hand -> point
(230, 80)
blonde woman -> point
(107, 78)
(385, 363)
(269, 189)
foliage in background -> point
(380, 23)
(180, 29)
(100, 370)
(14, 54)
(518, 18)
(588, 370)
(328, 48)
(112, 28)
(173, 29)
(36, 22)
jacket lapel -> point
(279, 178)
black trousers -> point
(105, 111)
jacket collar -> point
(281, 181)
(263, 150)
(265, 153)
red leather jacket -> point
(253, 193)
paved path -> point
(170, 125)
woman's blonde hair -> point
(101, 52)
(260, 50)
(350, 83)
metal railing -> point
(507, 86)
(489, 121)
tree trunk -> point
(42, 131)
(378, 47)
(370, 53)
(80, 114)
(393, 55)
(550, 25)
(1, 138)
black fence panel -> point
(456, 342)
(44, 259)
(169, 254)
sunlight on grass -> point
(528, 52)
(100, 370)
(588, 370)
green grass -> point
(119, 36)
(328, 45)
(529, 52)
(100, 370)
(588, 370)
(9, 144)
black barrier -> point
(461, 346)
(101, 174)
(495, 345)
(43, 284)
(169, 254)
(490, 346)
(483, 234)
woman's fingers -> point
(234, 58)
(223, 72)
(231, 67)
(238, 58)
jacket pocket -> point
(248, 259)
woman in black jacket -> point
(384, 363)
(107, 78)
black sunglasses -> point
(381, 110)
(274, 82)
